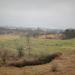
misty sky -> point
(38, 13)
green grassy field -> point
(40, 46)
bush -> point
(69, 33)
(20, 51)
(4, 55)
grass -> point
(39, 47)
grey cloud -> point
(43, 13)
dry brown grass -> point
(8, 37)
(51, 36)
(65, 65)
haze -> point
(58, 14)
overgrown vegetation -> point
(21, 48)
(14, 51)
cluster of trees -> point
(69, 33)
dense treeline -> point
(69, 33)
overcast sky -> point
(38, 13)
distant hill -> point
(7, 30)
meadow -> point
(39, 47)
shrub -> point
(4, 55)
(20, 51)
(69, 33)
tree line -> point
(69, 33)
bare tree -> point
(20, 51)
(28, 43)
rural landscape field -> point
(15, 48)
(37, 37)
